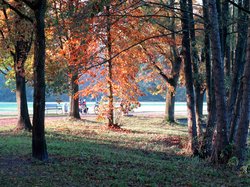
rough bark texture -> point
(206, 145)
(22, 44)
(221, 139)
(170, 97)
(235, 115)
(74, 106)
(170, 101)
(240, 55)
(195, 62)
(226, 38)
(111, 122)
(175, 72)
(39, 148)
(21, 52)
(193, 142)
(242, 132)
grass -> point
(85, 153)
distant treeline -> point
(8, 95)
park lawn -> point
(85, 153)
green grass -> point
(85, 153)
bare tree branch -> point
(128, 48)
(238, 6)
(30, 4)
(17, 11)
(168, 6)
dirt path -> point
(8, 121)
(13, 120)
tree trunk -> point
(23, 120)
(221, 138)
(74, 103)
(193, 142)
(226, 38)
(206, 145)
(170, 101)
(22, 44)
(240, 55)
(197, 81)
(236, 114)
(39, 148)
(198, 109)
(110, 74)
(242, 132)
(111, 122)
(175, 72)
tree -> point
(198, 88)
(238, 67)
(69, 36)
(21, 39)
(206, 144)
(193, 141)
(221, 138)
(39, 148)
(242, 131)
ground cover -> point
(145, 152)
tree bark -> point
(23, 119)
(242, 132)
(39, 148)
(175, 72)
(111, 122)
(221, 138)
(170, 96)
(197, 82)
(236, 114)
(74, 103)
(240, 55)
(170, 101)
(206, 145)
(192, 131)
(226, 38)
(22, 43)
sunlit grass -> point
(146, 152)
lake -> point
(158, 107)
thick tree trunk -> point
(23, 120)
(74, 103)
(23, 41)
(221, 138)
(206, 145)
(193, 142)
(226, 38)
(170, 101)
(240, 55)
(170, 96)
(198, 109)
(236, 114)
(242, 132)
(175, 72)
(197, 82)
(39, 148)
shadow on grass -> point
(81, 162)
(91, 160)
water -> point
(180, 107)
